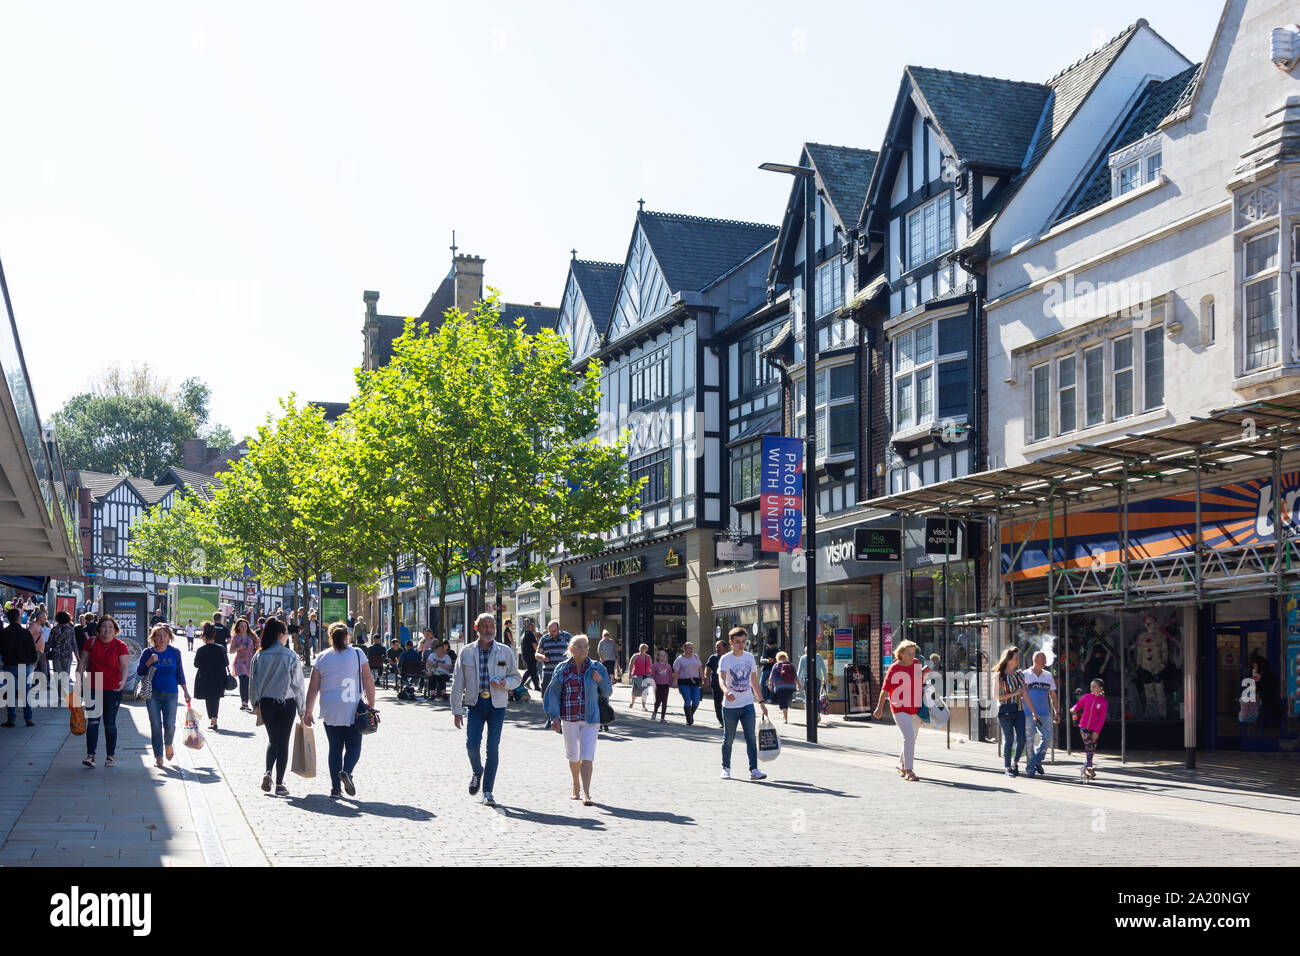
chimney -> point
(194, 454)
(467, 277)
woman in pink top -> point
(662, 674)
(243, 645)
(640, 666)
(1090, 714)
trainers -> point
(7, 723)
(266, 782)
(487, 800)
(757, 774)
(726, 773)
(31, 723)
(335, 795)
(474, 782)
(348, 786)
(281, 790)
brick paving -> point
(659, 801)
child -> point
(1090, 713)
(662, 673)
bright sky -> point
(210, 188)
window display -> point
(1150, 643)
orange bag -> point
(76, 715)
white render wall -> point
(1174, 237)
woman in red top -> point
(902, 688)
(107, 660)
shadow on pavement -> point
(802, 787)
(348, 807)
(549, 819)
(647, 816)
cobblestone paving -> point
(659, 802)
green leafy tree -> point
(500, 442)
(180, 542)
(278, 506)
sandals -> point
(901, 771)
(158, 762)
(171, 753)
(110, 762)
(587, 802)
(911, 777)
(89, 761)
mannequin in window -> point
(1152, 648)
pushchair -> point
(410, 679)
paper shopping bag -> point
(303, 761)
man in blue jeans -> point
(738, 675)
(485, 672)
(1040, 685)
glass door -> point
(1248, 701)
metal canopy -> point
(1221, 441)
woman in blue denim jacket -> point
(572, 701)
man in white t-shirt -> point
(738, 676)
(1040, 685)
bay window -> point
(1260, 298)
(931, 377)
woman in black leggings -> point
(280, 695)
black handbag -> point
(606, 711)
(367, 720)
(231, 681)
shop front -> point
(638, 594)
(748, 598)
(1221, 676)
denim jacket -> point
(551, 699)
(277, 673)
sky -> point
(210, 188)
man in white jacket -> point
(485, 672)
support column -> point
(700, 560)
(565, 606)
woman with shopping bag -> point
(277, 690)
(903, 687)
(340, 678)
(211, 662)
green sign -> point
(333, 602)
(195, 602)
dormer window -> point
(1136, 164)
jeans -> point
(278, 717)
(530, 673)
(162, 719)
(1013, 726)
(110, 701)
(342, 739)
(243, 688)
(745, 717)
(26, 682)
(484, 713)
(1036, 754)
(690, 696)
(547, 674)
(717, 702)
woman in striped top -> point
(1011, 698)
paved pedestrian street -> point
(658, 797)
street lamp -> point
(810, 437)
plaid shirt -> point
(573, 692)
(484, 678)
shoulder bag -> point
(367, 720)
(606, 711)
(144, 689)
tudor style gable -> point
(585, 306)
(643, 291)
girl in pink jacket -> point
(1090, 714)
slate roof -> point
(333, 410)
(693, 251)
(599, 284)
(97, 483)
(443, 298)
(390, 330)
(1072, 85)
(196, 482)
(226, 458)
(1159, 100)
(846, 173)
(989, 121)
(536, 317)
(150, 492)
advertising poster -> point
(130, 613)
(1293, 677)
(781, 493)
(334, 602)
(886, 644)
(66, 603)
(195, 602)
(842, 641)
